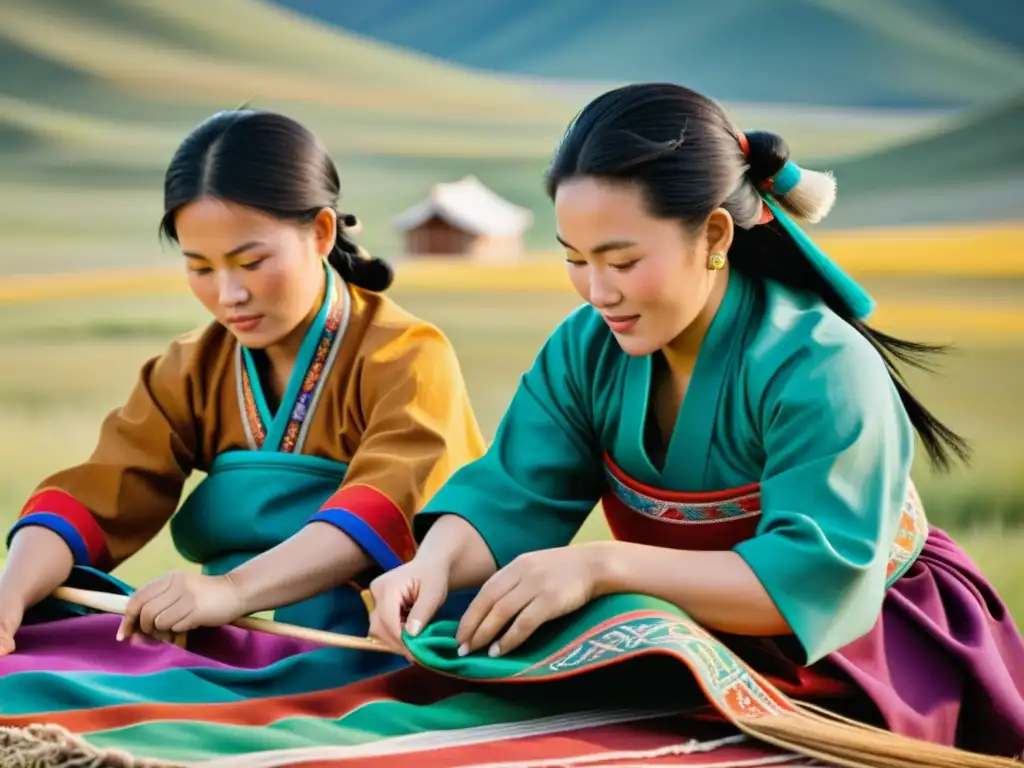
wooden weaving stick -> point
(111, 603)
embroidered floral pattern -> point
(316, 370)
(252, 413)
(747, 505)
(910, 536)
(301, 409)
(726, 680)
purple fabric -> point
(944, 662)
(88, 644)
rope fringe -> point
(51, 746)
(838, 741)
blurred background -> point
(441, 115)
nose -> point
(603, 293)
(230, 291)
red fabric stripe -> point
(380, 513)
(413, 686)
(681, 497)
(720, 535)
(63, 504)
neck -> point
(681, 353)
(282, 355)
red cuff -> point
(377, 512)
(65, 506)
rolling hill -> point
(95, 96)
(972, 169)
(863, 53)
(979, 147)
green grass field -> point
(64, 365)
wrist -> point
(242, 590)
(603, 567)
(12, 599)
(436, 558)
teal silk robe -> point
(785, 394)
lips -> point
(621, 323)
(244, 322)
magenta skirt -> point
(945, 661)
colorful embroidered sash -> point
(286, 430)
(722, 519)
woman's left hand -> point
(180, 601)
(531, 590)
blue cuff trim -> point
(362, 534)
(61, 527)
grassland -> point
(95, 97)
(63, 364)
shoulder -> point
(193, 358)
(583, 344)
(197, 345)
(802, 349)
(393, 338)
(579, 367)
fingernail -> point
(414, 627)
(463, 649)
(494, 650)
(120, 634)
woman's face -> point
(258, 275)
(648, 277)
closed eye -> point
(626, 266)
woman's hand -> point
(408, 597)
(531, 590)
(181, 601)
(452, 556)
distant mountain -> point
(980, 147)
(863, 53)
(971, 170)
(95, 96)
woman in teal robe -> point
(745, 432)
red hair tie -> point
(766, 212)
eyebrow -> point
(611, 245)
(236, 251)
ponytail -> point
(774, 248)
(353, 263)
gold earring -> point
(716, 261)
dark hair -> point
(684, 153)
(270, 162)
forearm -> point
(39, 561)
(717, 589)
(314, 560)
(460, 550)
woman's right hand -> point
(407, 597)
(11, 614)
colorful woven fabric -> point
(626, 679)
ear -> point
(325, 231)
(718, 232)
